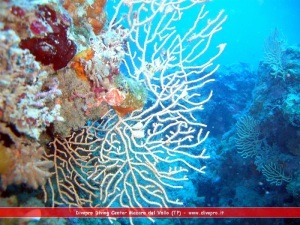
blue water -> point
(248, 25)
(250, 22)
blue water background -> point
(250, 22)
(248, 25)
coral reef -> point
(260, 149)
(87, 14)
(108, 114)
(135, 95)
(143, 150)
(53, 47)
(43, 29)
(6, 160)
(291, 108)
(99, 66)
(29, 103)
(275, 102)
(26, 164)
(75, 98)
(272, 117)
(27, 92)
(66, 77)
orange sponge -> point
(79, 63)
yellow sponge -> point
(5, 159)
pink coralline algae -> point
(27, 92)
(53, 47)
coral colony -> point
(101, 110)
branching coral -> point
(248, 141)
(275, 174)
(250, 144)
(142, 157)
(274, 52)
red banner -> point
(266, 212)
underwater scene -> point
(149, 103)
